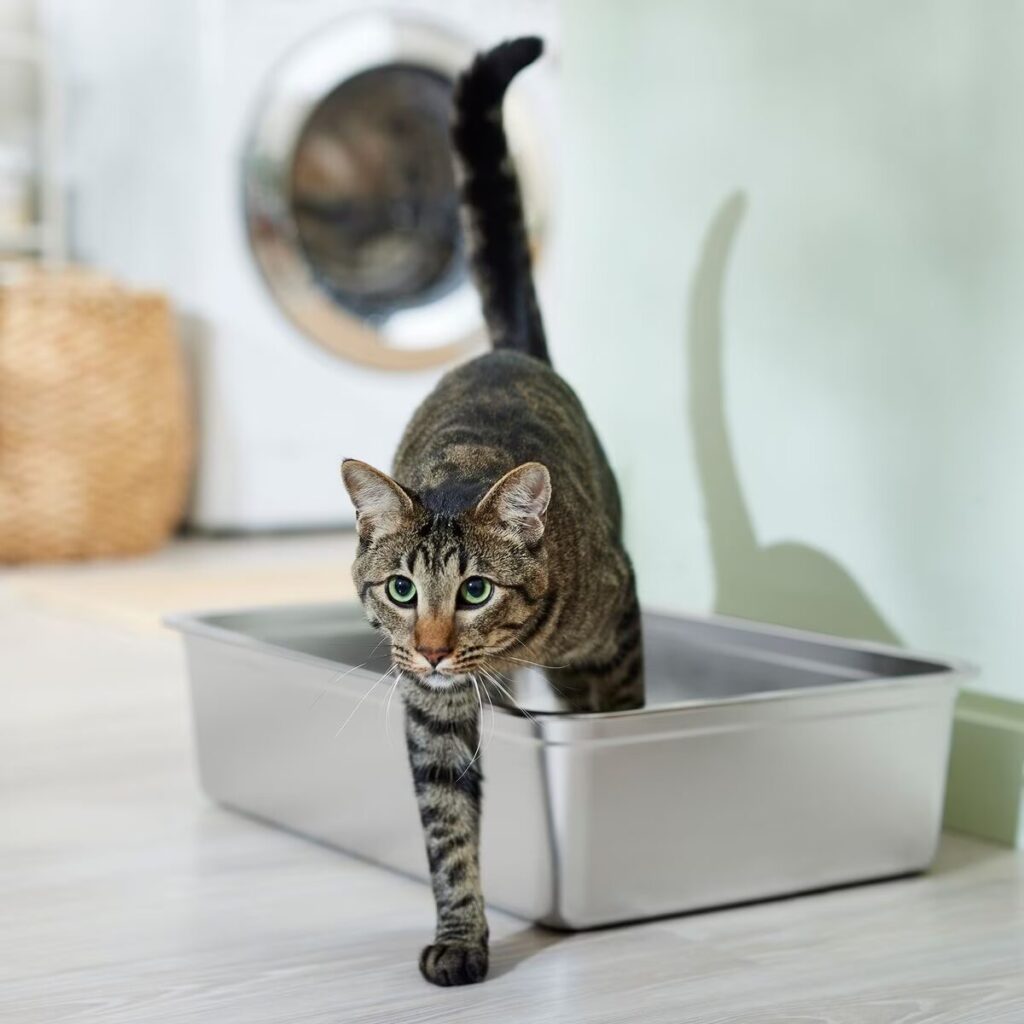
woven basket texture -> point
(95, 439)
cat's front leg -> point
(442, 731)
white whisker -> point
(480, 731)
(516, 642)
(387, 707)
(508, 694)
(535, 664)
(361, 699)
(338, 676)
(490, 704)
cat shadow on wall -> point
(789, 583)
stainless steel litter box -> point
(767, 762)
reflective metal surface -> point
(766, 762)
(350, 200)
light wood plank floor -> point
(127, 898)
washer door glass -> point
(373, 192)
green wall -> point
(793, 281)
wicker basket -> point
(94, 429)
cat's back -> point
(501, 389)
(508, 378)
(496, 412)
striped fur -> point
(491, 203)
(499, 476)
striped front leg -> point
(442, 731)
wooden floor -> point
(126, 897)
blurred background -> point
(778, 247)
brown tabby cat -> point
(498, 540)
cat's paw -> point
(445, 963)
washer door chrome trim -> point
(433, 333)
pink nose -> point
(434, 654)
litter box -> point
(766, 762)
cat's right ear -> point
(379, 501)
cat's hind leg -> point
(613, 679)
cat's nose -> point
(434, 654)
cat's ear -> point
(519, 500)
(379, 501)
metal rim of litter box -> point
(563, 727)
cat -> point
(498, 540)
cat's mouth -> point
(434, 677)
(438, 682)
(441, 680)
(436, 674)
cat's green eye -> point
(401, 590)
(476, 590)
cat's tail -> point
(493, 207)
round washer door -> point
(351, 205)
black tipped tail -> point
(483, 83)
(499, 246)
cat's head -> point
(453, 591)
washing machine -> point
(282, 169)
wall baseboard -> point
(985, 790)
